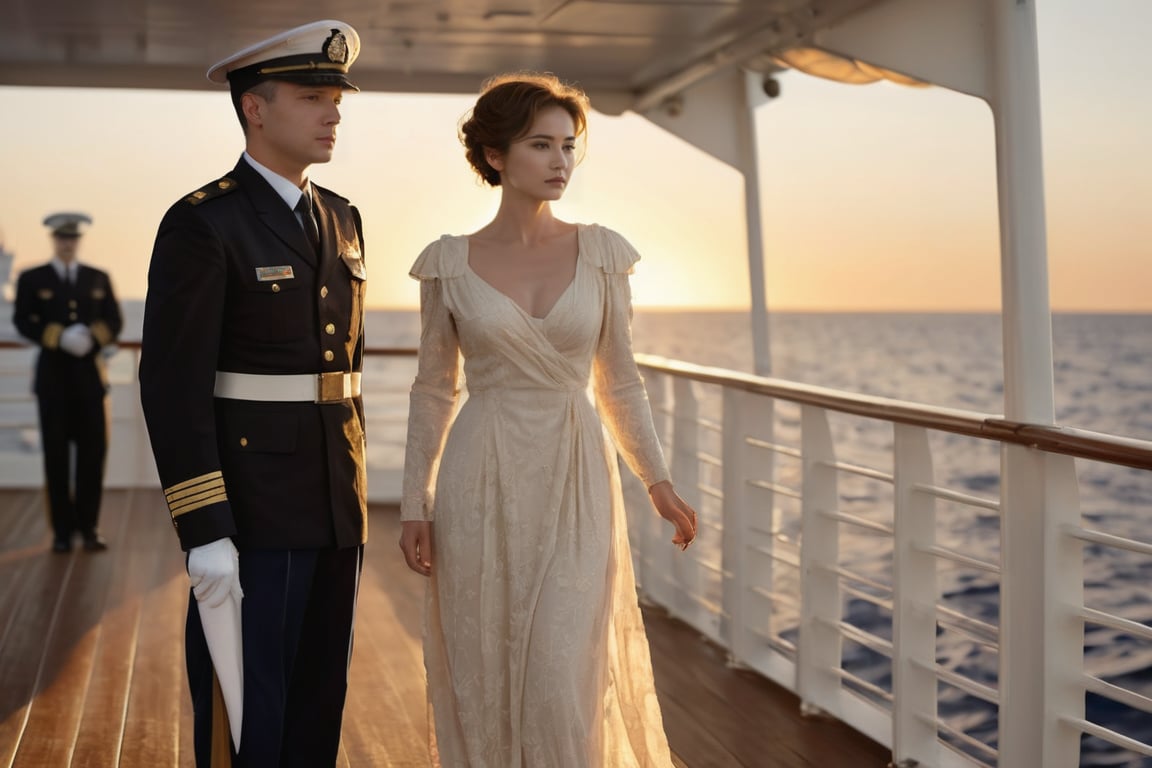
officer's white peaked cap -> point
(319, 53)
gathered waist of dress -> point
(529, 396)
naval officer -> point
(70, 311)
(250, 383)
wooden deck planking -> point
(92, 663)
(387, 674)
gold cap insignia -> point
(336, 47)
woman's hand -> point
(676, 511)
(416, 544)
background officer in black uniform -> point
(69, 309)
(249, 378)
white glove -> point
(76, 340)
(214, 570)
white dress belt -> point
(287, 388)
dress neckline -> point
(559, 298)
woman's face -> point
(540, 163)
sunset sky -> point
(875, 197)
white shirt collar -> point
(62, 268)
(285, 188)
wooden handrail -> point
(1080, 443)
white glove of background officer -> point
(214, 570)
(76, 340)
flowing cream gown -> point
(534, 646)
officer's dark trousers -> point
(297, 611)
(83, 420)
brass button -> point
(275, 287)
(243, 442)
(72, 304)
(71, 315)
(328, 355)
(330, 328)
(323, 291)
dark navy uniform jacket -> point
(45, 306)
(234, 285)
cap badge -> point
(336, 47)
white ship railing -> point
(770, 466)
(802, 535)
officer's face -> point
(65, 247)
(295, 128)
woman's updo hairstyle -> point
(505, 111)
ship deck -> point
(92, 673)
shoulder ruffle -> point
(441, 258)
(609, 250)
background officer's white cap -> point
(67, 224)
(319, 53)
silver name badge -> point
(265, 274)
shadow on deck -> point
(92, 660)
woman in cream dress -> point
(534, 645)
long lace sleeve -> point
(432, 402)
(620, 394)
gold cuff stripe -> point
(193, 504)
(101, 333)
(194, 481)
(51, 337)
(195, 493)
(193, 490)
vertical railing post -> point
(1042, 641)
(818, 654)
(651, 558)
(745, 415)
(732, 550)
(1063, 626)
(685, 468)
(914, 739)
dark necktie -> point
(304, 208)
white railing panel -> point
(914, 620)
(820, 643)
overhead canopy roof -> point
(618, 50)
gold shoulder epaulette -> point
(208, 191)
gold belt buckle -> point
(331, 387)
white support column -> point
(914, 739)
(818, 654)
(1024, 247)
(717, 115)
(1033, 658)
(750, 168)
